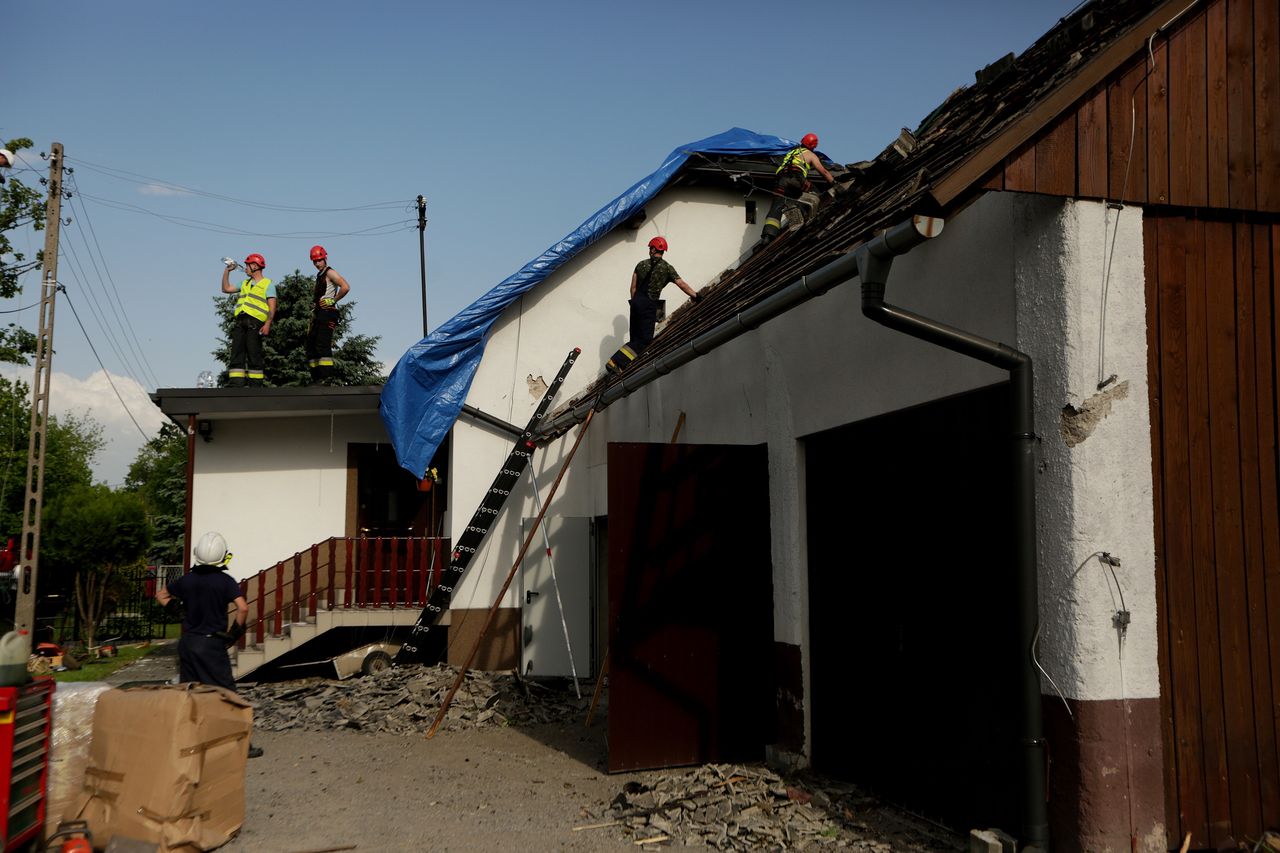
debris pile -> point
(405, 701)
(752, 808)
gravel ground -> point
(492, 788)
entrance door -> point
(690, 605)
(543, 648)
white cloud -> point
(162, 189)
(93, 396)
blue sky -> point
(515, 120)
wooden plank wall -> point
(1214, 349)
(1195, 123)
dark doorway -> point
(389, 500)
(690, 605)
(910, 593)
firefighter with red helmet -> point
(647, 281)
(330, 287)
(793, 179)
(255, 309)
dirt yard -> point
(514, 788)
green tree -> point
(285, 349)
(88, 535)
(71, 444)
(159, 476)
(20, 207)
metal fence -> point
(131, 611)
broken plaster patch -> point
(1079, 424)
(537, 386)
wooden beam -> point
(1054, 104)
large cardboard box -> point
(167, 765)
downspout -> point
(873, 271)
(492, 420)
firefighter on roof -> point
(330, 287)
(793, 179)
(255, 310)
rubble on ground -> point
(727, 807)
(405, 701)
(752, 808)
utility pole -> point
(29, 546)
(422, 257)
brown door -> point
(690, 605)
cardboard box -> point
(167, 765)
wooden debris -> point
(404, 700)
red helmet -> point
(255, 258)
(810, 141)
(658, 243)
(318, 253)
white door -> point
(543, 648)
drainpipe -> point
(873, 270)
(492, 420)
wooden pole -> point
(493, 611)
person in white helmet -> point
(6, 161)
(207, 591)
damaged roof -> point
(935, 169)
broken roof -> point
(428, 386)
(935, 169)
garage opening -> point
(911, 569)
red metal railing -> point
(343, 572)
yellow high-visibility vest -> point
(794, 160)
(253, 299)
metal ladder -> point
(485, 516)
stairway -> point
(343, 582)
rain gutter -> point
(898, 240)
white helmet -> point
(211, 550)
(7, 155)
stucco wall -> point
(584, 304)
(273, 486)
(1094, 492)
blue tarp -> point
(429, 384)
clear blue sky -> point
(516, 121)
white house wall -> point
(583, 304)
(273, 486)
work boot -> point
(255, 751)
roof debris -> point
(405, 700)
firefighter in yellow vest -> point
(255, 309)
(793, 179)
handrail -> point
(384, 572)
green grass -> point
(100, 668)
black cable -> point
(16, 310)
(119, 174)
(201, 225)
(97, 314)
(105, 372)
(131, 336)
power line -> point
(145, 180)
(105, 372)
(202, 225)
(16, 310)
(122, 316)
(98, 313)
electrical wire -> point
(98, 314)
(16, 310)
(1036, 639)
(122, 316)
(202, 225)
(105, 372)
(145, 180)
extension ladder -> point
(485, 516)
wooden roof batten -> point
(1061, 98)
